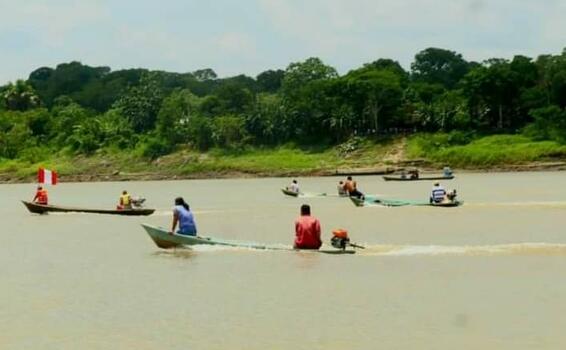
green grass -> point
(484, 152)
(263, 160)
(456, 149)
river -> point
(487, 275)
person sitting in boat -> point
(351, 188)
(447, 171)
(125, 201)
(307, 230)
(183, 216)
(403, 174)
(294, 187)
(414, 174)
(41, 196)
(438, 193)
(341, 190)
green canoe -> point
(401, 203)
(163, 239)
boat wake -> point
(513, 249)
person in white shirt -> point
(438, 193)
(294, 187)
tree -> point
(552, 70)
(497, 88)
(141, 104)
(299, 74)
(229, 131)
(66, 115)
(391, 65)
(20, 96)
(66, 79)
(549, 123)
(374, 94)
(234, 99)
(176, 113)
(439, 66)
(270, 80)
(205, 74)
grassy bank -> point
(464, 151)
(187, 163)
(431, 151)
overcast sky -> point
(250, 36)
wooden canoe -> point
(42, 209)
(164, 240)
(420, 178)
(401, 203)
(290, 193)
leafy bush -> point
(34, 154)
(199, 132)
(229, 131)
(154, 148)
(549, 124)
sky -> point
(250, 36)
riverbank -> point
(357, 157)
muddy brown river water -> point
(487, 275)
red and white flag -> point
(46, 177)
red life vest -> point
(41, 196)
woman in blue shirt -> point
(183, 216)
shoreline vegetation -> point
(93, 123)
(359, 156)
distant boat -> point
(163, 239)
(401, 203)
(309, 194)
(420, 178)
(42, 209)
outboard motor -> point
(137, 202)
(451, 195)
(340, 240)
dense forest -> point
(80, 109)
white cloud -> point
(255, 35)
(478, 28)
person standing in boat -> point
(352, 188)
(438, 193)
(183, 216)
(294, 187)
(307, 230)
(41, 196)
(125, 201)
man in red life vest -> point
(40, 196)
(307, 230)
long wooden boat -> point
(42, 209)
(420, 178)
(290, 193)
(402, 203)
(311, 194)
(163, 239)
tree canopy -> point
(84, 109)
